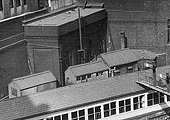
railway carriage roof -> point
(72, 96)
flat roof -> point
(34, 79)
(68, 97)
(59, 24)
(64, 17)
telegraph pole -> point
(82, 51)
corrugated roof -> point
(87, 68)
(70, 96)
(124, 56)
(34, 79)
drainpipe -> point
(154, 70)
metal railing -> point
(147, 78)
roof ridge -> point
(70, 86)
(115, 51)
(78, 65)
(31, 75)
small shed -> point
(32, 84)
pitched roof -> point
(87, 68)
(114, 58)
(34, 79)
(68, 97)
(71, 96)
(124, 56)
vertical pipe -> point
(80, 34)
(154, 75)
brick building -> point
(115, 98)
(13, 52)
(53, 41)
(110, 64)
(144, 23)
(32, 84)
(11, 8)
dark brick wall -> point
(13, 64)
(13, 53)
(70, 43)
(144, 23)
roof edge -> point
(31, 75)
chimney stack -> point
(123, 40)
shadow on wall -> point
(22, 108)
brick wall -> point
(13, 53)
(144, 23)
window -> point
(124, 106)
(90, 114)
(88, 75)
(94, 113)
(99, 73)
(138, 102)
(155, 98)
(97, 112)
(61, 117)
(111, 73)
(168, 98)
(51, 118)
(57, 117)
(25, 2)
(1, 6)
(11, 4)
(78, 115)
(78, 78)
(83, 77)
(130, 69)
(14, 91)
(109, 109)
(65, 117)
(116, 72)
(18, 3)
